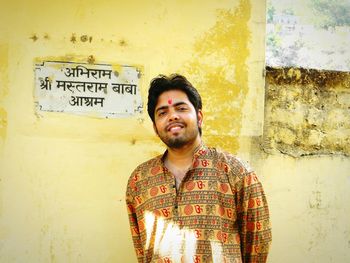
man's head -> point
(173, 99)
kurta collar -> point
(201, 150)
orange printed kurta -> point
(218, 214)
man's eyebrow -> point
(179, 103)
(174, 105)
(162, 108)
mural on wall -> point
(308, 34)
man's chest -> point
(202, 192)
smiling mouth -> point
(175, 127)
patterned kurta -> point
(219, 212)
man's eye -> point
(162, 113)
(182, 108)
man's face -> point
(176, 120)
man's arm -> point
(253, 219)
(135, 232)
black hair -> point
(164, 83)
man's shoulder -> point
(142, 171)
(148, 165)
(234, 162)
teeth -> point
(175, 128)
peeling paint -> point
(219, 68)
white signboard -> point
(99, 90)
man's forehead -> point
(171, 97)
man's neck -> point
(182, 157)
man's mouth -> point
(175, 127)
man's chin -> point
(175, 143)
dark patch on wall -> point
(34, 37)
(122, 42)
(300, 76)
(84, 38)
(73, 38)
(307, 112)
(91, 59)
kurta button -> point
(176, 206)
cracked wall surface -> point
(307, 112)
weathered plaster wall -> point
(305, 158)
(63, 176)
(307, 112)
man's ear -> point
(200, 118)
(155, 129)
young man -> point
(193, 203)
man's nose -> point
(173, 116)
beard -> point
(188, 136)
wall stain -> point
(34, 37)
(122, 43)
(219, 70)
(67, 58)
(3, 91)
(3, 71)
(84, 38)
(307, 112)
(316, 201)
(3, 124)
(73, 38)
(52, 252)
(326, 79)
(91, 59)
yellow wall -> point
(310, 214)
(63, 176)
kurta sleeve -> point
(253, 219)
(134, 227)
